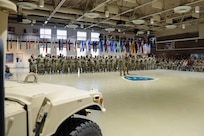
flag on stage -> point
(59, 43)
(127, 47)
(89, 46)
(69, 45)
(46, 48)
(17, 40)
(29, 44)
(75, 44)
(20, 44)
(111, 47)
(62, 45)
(7, 45)
(82, 45)
(66, 45)
(101, 46)
(11, 44)
(26, 44)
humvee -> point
(41, 109)
(31, 108)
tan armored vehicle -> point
(39, 109)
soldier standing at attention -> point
(49, 63)
(53, 65)
(83, 64)
(32, 64)
(41, 64)
(79, 64)
(103, 64)
(122, 65)
(96, 62)
(127, 63)
(72, 65)
(46, 60)
(65, 65)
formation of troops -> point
(123, 63)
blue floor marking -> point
(136, 78)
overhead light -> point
(33, 21)
(119, 30)
(140, 32)
(170, 26)
(106, 13)
(110, 29)
(182, 9)
(152, 21)
(91, 15)
(82, 25)
(27, 5)
(41, 3)
(46, 22)
(72, 26)
(138, 21)
(26, 21)
(197, 9)
(183, 26)
(148, 32)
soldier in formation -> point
(123, 63)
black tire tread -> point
(86, 125)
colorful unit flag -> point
(82, 45)
(59, 43)
(69, 45)
(46, 48)
(101, 46)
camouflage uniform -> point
(32, 64)
(41, 64)
(122, 65)
(65, 65)
(127, 63)
(53, 64)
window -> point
(95, 36)
(62, 52)
(45, 33)
(61, 34)
(81, 36)
(44, 51)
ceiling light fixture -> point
(110, 29)
(197, 9)
(138, 21)
(91, 15)
(182, 9)
(81, 25)
(148, 32)
(170, 26)
(183, 26)
(73, 26)
(152, 21)
(41, 3)
(27, 5)
(106, 13)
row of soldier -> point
(73, 64)
(61, 64)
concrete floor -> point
(171, 105)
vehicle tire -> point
(86, 128)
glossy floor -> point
(170, 105)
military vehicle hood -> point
(56, 93)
